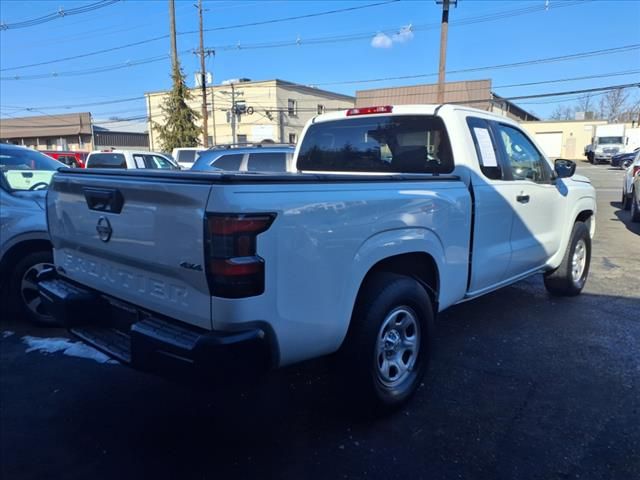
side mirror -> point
(564, 168)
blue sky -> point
(501, 32)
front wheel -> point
(635, 211)
(388, 346)
(625, 201)
(570, 277)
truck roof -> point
(417, 109)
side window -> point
(228, 162)
(525, 161)
(141, 161)
(68, 160)
(186, 156)
(485, 148)
(156, 161)
(267, 162)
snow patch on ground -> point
(7, 333)
(66, 346)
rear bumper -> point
(147, 341)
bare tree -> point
(586, 104)
(613, 105)
(562, 112)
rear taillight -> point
(636, 169)
(234, 269)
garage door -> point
(551, 143)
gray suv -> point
(259, 158)
(25, 249)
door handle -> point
(523, 198)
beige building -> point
(474, 93)
(564, 138)
(71, 131)
(273, 110)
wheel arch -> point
(16, 251)
(421, 266)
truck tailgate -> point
(139, 241)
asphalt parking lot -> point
(522, 386)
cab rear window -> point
(107, 160)
(390, 143)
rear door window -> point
(267, 162)
(486, 150)
(388, 143)
(69, 160)
(140, 161)
(186, 156)
(107, 160)
(228, 162)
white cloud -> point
(404, 35)
(381, 40)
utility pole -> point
(233, 114)
(203, 80)
(172, 25)
(213, 114)
(444, 30)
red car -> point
(72, 159)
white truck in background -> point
(395, 213)
(632, 139)
(608, 140)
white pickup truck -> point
(396, 213)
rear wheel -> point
(23, 289)
(570, 277)
(388, 346)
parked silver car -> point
(25, 248)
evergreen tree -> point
(179, 129)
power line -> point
(298, 41)
(228, 27)
(537, 61)
(144, 61)
(223, 99)
(58, 14)
(521, 97)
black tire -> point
(561, 281)
(635, 211)
(360, 360)
(24, 301)
(625, 202)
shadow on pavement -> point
(522, 384)
(625, 217)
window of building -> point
(242, 139)
(292, 107)
(320, 109)
(293, 138)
